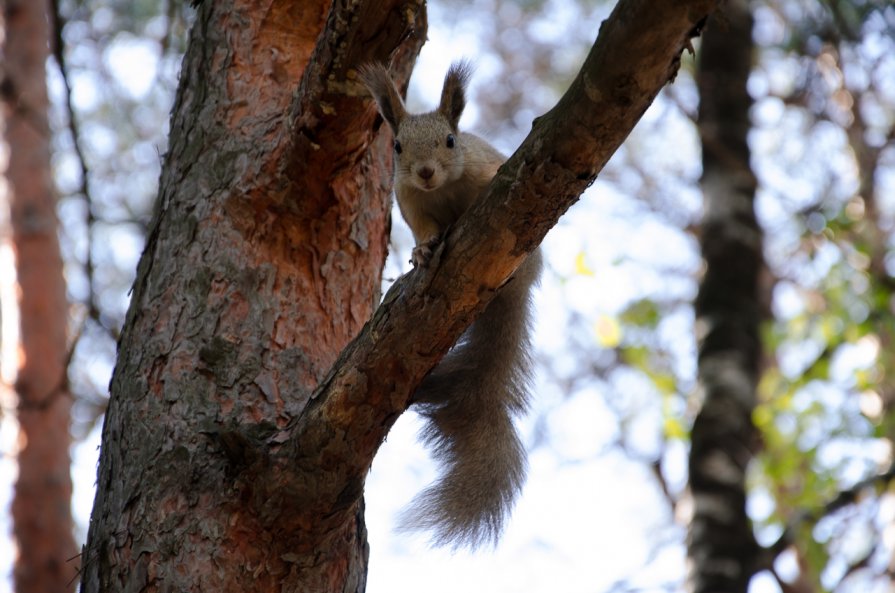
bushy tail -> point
(469, 401)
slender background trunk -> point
(722, 548)
(41, 507)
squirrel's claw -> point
(422, 253)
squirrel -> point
(470, 398)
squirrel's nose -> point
(425, 173)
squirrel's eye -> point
(397, 147)
(450, 141)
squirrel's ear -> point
(378, 81)
(453, 95)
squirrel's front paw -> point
(422, 253)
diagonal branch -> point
(637, 51)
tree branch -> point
(328, 116)
(842, 499)
(57, 46)
(637, 51)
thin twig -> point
(59, 54)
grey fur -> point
(471, 398)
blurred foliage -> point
(826, 412)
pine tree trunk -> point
(262, 262)
(41, 507)
(729, 309)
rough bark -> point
(41, 507)
(263, 261)
(729, 308)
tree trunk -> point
(729, 309)
(41, 507)
(222, 469)
(262, 261)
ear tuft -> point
(453, 94)
(376, 78)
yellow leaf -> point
(674, 429)
(762, 416)
(608, 331)
(664, 383)
(581, 266)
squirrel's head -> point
(428, 151)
